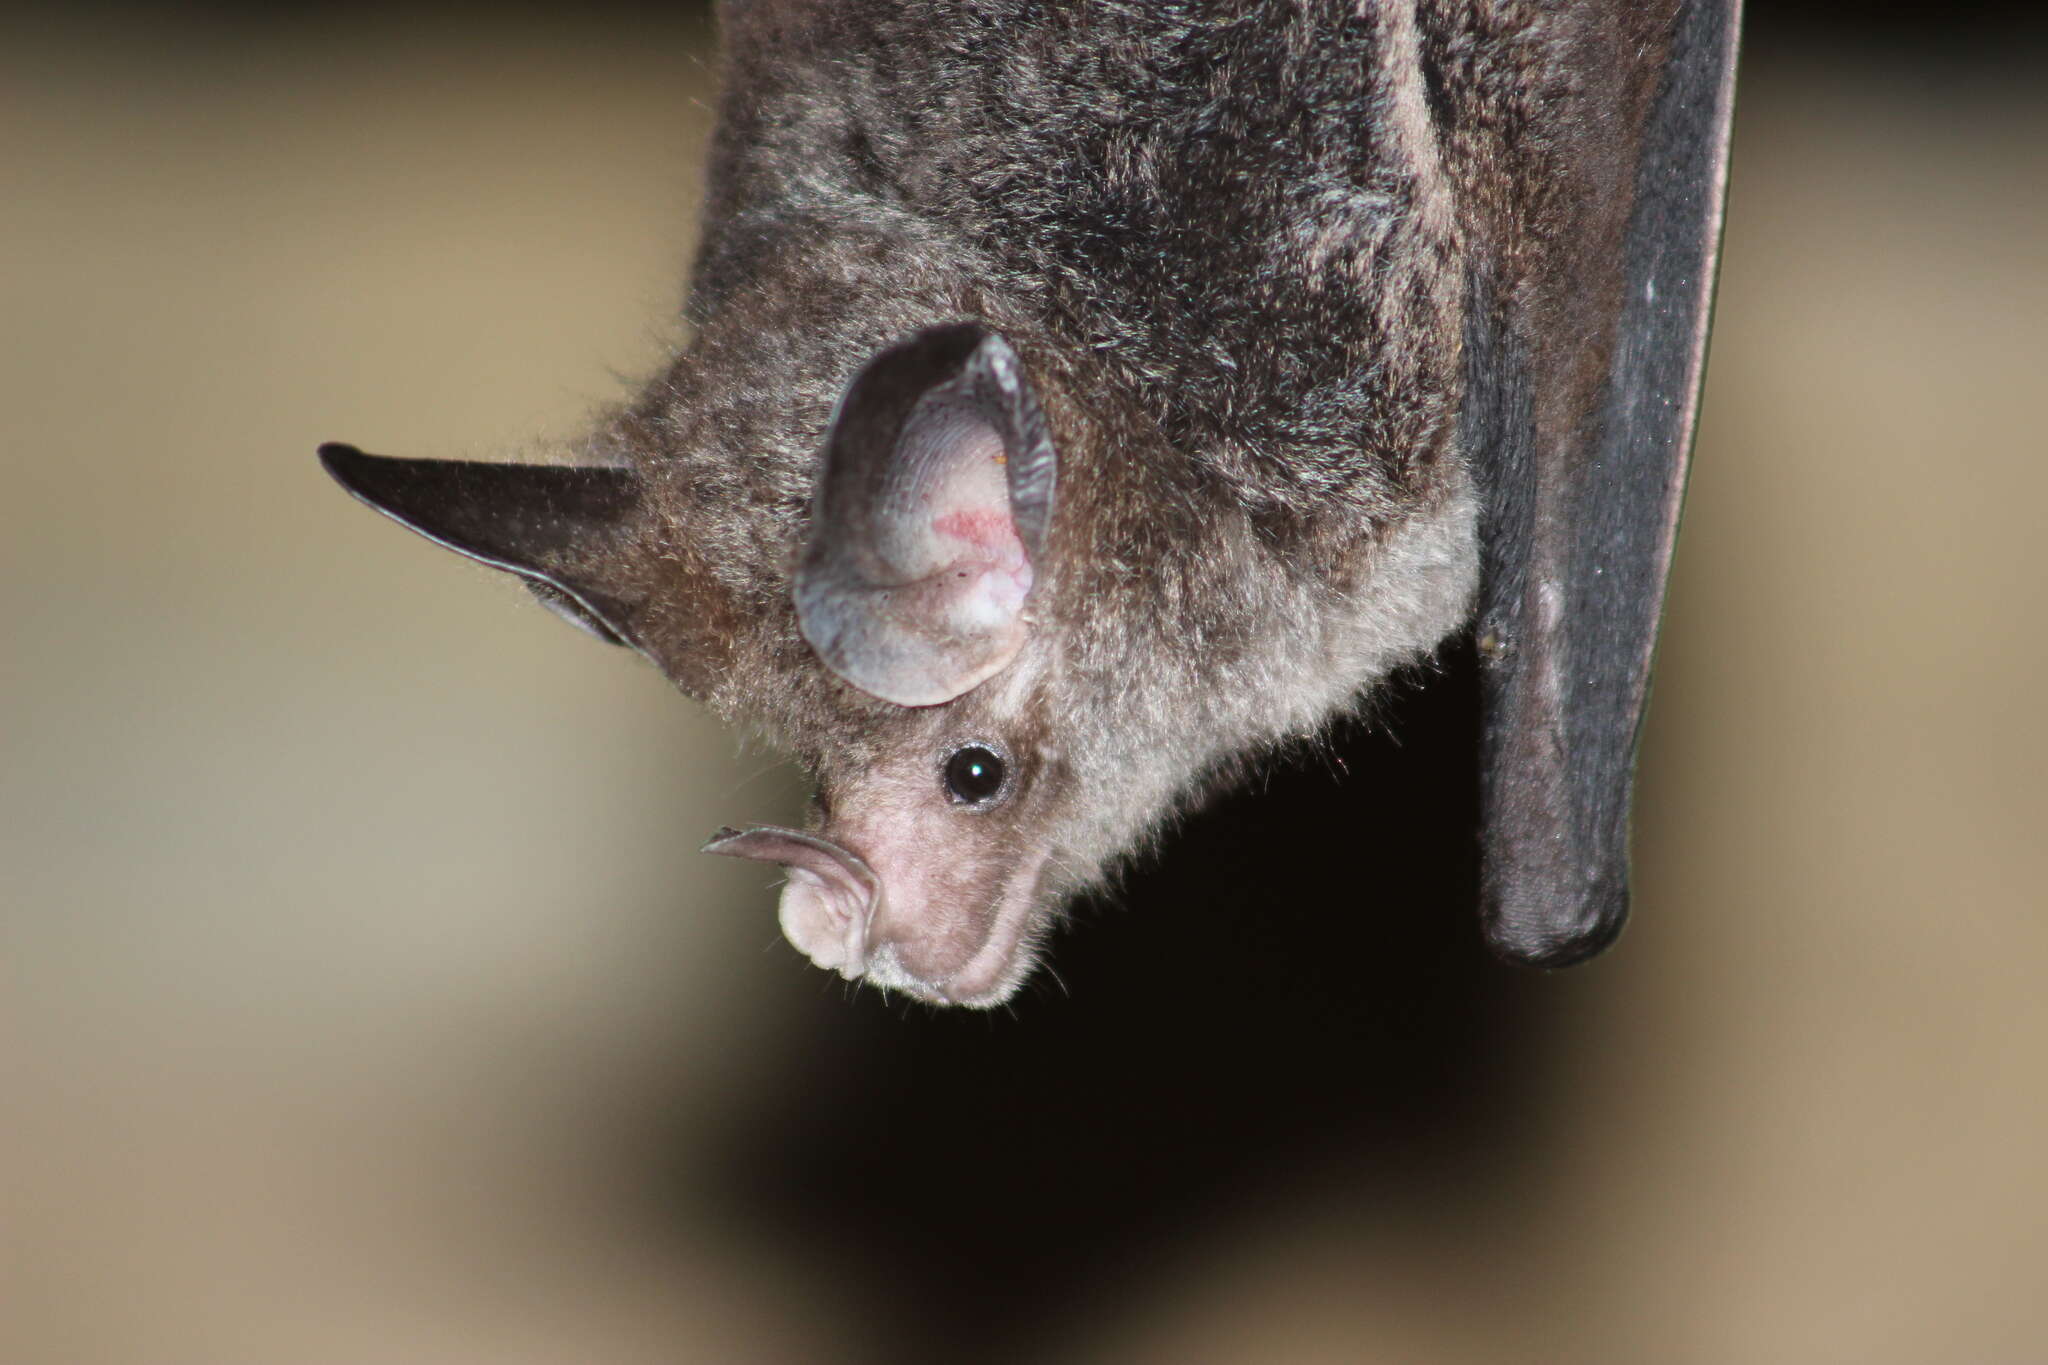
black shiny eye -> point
(974, 775)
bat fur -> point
(1237, 248)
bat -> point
(1085, 397)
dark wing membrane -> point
(1580, 532)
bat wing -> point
(1579, 521)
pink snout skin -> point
(826, 922)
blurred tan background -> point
(362, 996)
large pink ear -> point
(929, 519)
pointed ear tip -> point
(343, 462)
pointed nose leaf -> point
(794, 848)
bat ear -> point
(546, 523)
(929, 518)
(1581, 513)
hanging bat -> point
(1084, 397)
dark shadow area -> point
(1295, 985)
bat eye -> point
(975, 775)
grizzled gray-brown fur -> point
(1080, 399)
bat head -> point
(902, 651)
(919, 585)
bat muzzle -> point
(831, 901)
